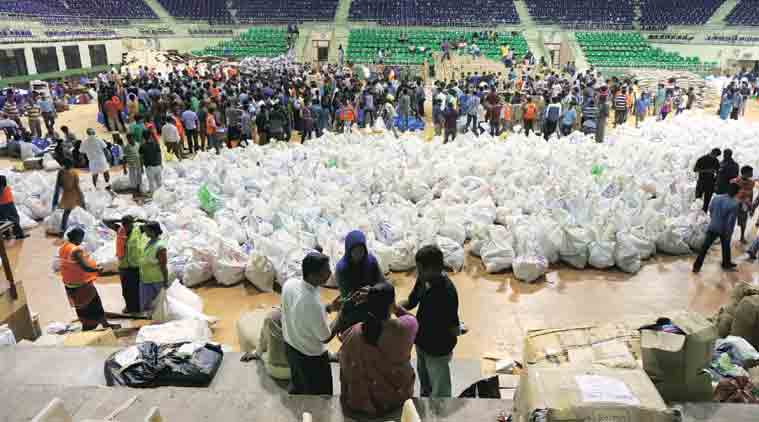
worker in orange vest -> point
(79, 273)
(8, 209)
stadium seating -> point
(582, 12)
(435, 12)
(630, 49)
(286, 11)
(213, 11)
(363, 44)
(744, 13)
(57, 12)
(677, 12)
(260, 42)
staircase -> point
(718, 18)
(159, 10)
(581, 62)
(535, 43)
(524, 13)
(636, 14)
(341, 31)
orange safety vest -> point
(7, 196)
(72, 273)
(121, 240)
(348, 114)
(530, 111)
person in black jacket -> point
(439, 324)
(707, 168)
(728, 170)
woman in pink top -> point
(376, 375)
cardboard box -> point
(614, 345)
(675, 362)
(91, 338)
(589, 394)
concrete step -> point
(83, 367)
(190, 405)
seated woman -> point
(357, 269)
(376, 375)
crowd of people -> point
(192, 108)
(527, 100)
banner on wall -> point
(732, 39)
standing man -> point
(620, 107)
(79, 273)
(728, 170)
(33, 114)
(691, 98)
(305, 328)
(724, 212)
(150, 155)
(170, 136)
(133, 166)
(530, 113)
(450, 117)
(129, 245)
(191, 124)
(473, 107)
(94, 148)
(745, 197)
(603, 117)
(404, 107)
(48, 113)
(552, 116)
(438, 318)
(707, 168)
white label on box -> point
(598, 389)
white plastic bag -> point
(498, 253)
(529, 268)
(260, 272)
(601, 254)
(26, 222)
(674, 240)
(177, 303)
(574, 250)
(196, 271)
(106, 258)
(229, 266)
(453, 253)
(191, 330)
(402, 256)
(627, 253)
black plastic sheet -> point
(158, 366)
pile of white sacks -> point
(522, 204)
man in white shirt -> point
(191, 124)
(306, 329)
(170, 136)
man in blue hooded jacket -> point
(355, 270)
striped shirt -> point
(11, 110)
(620, 102)
(132, 155)
(33, 112)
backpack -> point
(553, 114)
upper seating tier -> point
(67, 11)
(745, 13)
(677, 12)
(435, 12)
(582, 12)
